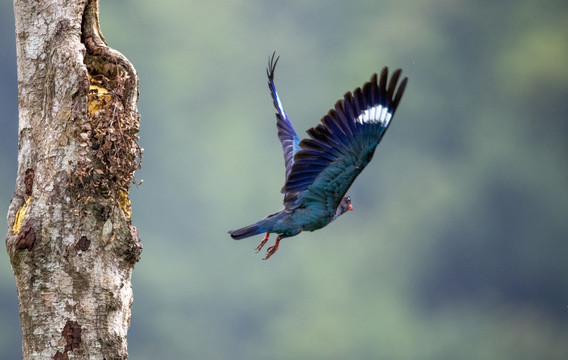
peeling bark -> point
(70, 240)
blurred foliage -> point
(457, 246)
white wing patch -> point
(376, 114)
(280, 107)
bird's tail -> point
(246, 232)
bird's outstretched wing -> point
(339, 148)
(286, 133)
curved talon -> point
(272, 249)
(264, 240)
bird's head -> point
(344, 206)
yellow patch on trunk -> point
(20, 216)
(124, 204)
(99, 98)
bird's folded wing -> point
(339, 148)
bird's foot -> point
(264, 240)
(272, 249)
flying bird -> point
(321, 168)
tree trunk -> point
(70, 240)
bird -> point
(321, 168)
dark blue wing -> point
(286, 133)
(339, 148)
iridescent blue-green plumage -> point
(321, 168)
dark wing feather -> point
(286, 133)
(340, 147)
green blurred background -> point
(457, 248)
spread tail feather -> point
(246, 232)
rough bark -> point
(70, 240)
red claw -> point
(264, 240)
(272, 249)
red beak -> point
(350, 207)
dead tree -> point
(70, 240)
